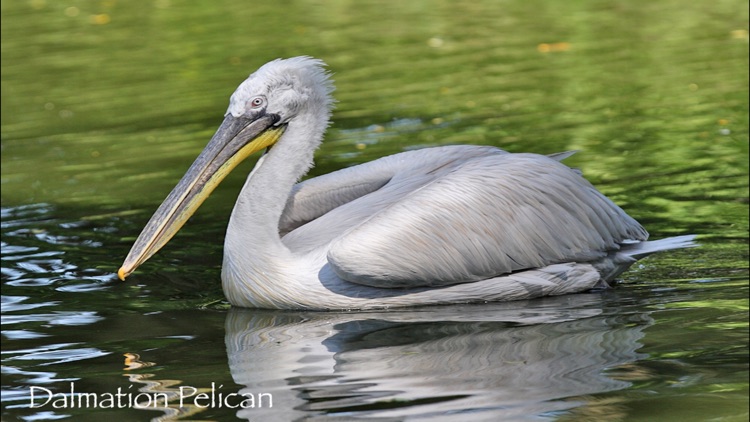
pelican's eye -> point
(257, 102)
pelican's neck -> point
(259, 206)
(255, 259)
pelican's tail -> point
(616, 263)
(642, 249)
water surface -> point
(104, 106)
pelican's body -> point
(439, 225)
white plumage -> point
(437, 225)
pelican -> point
(441, 225)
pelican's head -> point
(283, 88)
(259, 112)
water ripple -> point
(32, 377)
(57, 353)
(14, 304)
(22, 334)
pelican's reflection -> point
(531, 359)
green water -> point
(105, 104)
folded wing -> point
(485, 216)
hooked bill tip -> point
(121, 273)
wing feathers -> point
(314, 197)
(492, 215)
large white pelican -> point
(437, 225)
